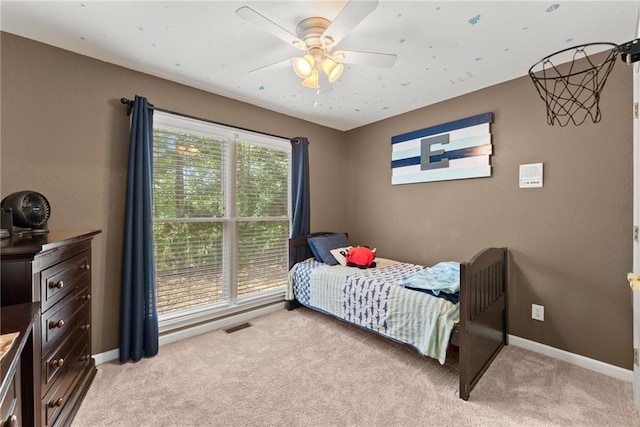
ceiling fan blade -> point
(383, 60)
(350, 16)
(287, 63)
(261, 21)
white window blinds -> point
(221, 214)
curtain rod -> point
(129, 104)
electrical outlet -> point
(537, 312)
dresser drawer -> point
(54, 402)
(74, 312)
(63, 278)
(73, 349)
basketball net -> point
(570, 82)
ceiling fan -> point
(319, 66)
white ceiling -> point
(445, 49)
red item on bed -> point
(361, 257)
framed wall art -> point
(455, 150)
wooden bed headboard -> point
(299, 249)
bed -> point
(477, 324)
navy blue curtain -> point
(301, 197)
(138, 312)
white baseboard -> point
(574, 359)
(107, 356)
(110, 355)
(219, 324)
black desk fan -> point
(25, 213)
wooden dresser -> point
(55, 270)
(17, 365)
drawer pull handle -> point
(57, 285)
(55, 403)
(56, 363)
(85, 327)
(86, 297)
(58, 324)
(85, 267)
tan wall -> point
(570, 241)
(64, 133)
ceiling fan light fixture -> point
(304, 66)
(312, 82)
(318, 67)
(332, 69)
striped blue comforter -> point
(374, 299)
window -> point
(221, 218)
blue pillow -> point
(442, 277)
(321, 246)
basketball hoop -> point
(570, 82)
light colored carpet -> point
(302, 368)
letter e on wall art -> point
(456, 150)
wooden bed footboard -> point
(482, 330)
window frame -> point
(232, 137)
